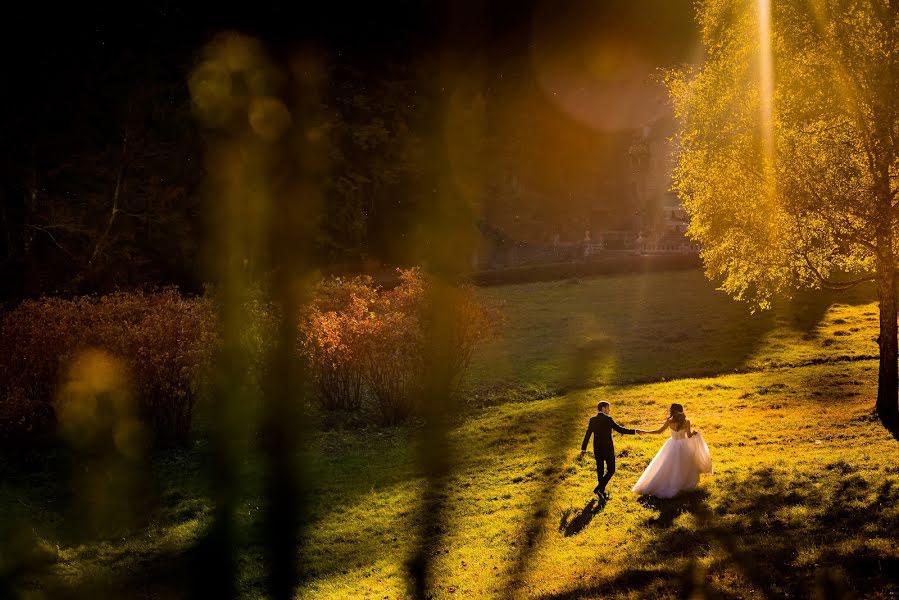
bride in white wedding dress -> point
(678, 464)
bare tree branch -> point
(834, 285)
(6, 231)
(46, 231)
(120, 180)
(853, 238)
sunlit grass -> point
(805, 478)
(799, 464)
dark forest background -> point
(101, 160)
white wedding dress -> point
(676, 467)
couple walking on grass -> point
(675, 468)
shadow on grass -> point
(168, 573)
(807, 308)
(663, 326)
(572, 525)
(581, 364)
(692, 502)
(759, 536)
(740, 525)
(162, 575)
(37, 496)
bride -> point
(677, 465)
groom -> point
(600, 428)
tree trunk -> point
(116, 194)
(888, 376)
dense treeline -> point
(102, 160)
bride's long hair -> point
(677, 415)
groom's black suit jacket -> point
(600, 428)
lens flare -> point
(766, 79)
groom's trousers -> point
(604, 461)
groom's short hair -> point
(602, 405)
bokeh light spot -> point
(269, 118)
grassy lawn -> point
(805, 491)
(649, 327)
(803, 480)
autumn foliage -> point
(163, 340)
(366, 348)
(369, 344)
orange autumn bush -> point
(364, 343)
(329, 341)
(164, 340)
(366, 348)
(391, 332)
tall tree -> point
(377, 120)
(787, 157)
(104, 198)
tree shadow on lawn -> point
(40, 497)
(657, 345)
(840, 388)
(163, 573)
(802, 313)
(745, 534)
(691, 502)
(569, 410)
(658, 327)
(807, 307)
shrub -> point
(391, 335)
(257, 331)
(362, 341)
(164, 340)
(330, 342)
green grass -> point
(638, 328)
(805, 490)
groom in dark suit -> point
(600, 428)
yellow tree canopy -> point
(787, 153)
